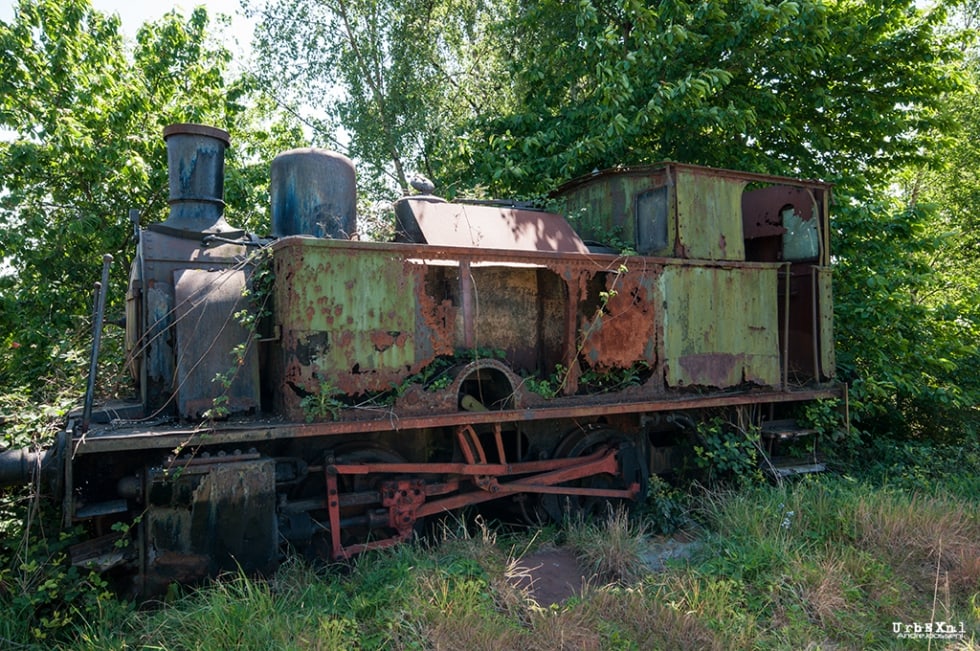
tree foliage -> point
(907, 321)
(911, 303)
(515, 97)
(387, 81)
(831, 90)
(83, 115)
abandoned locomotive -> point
(313, 391)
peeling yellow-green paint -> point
(720, 326)
(709, 216)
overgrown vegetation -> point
(877, 97)
(830, 561)
(82, 115)
(327, 402)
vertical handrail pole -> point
(99, 318)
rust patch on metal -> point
(383, 340)
(623, 328)
(495, 382)
(713, 369)
(360, 320)
(403, 498)
(761, 216)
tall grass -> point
(611, 549)
(827, 563)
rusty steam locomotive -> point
(312, 391)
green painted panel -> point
(349, 316)
(604, 208)
(720, 326)
(709, 216)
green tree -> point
(914, 304)
(83, 117)
(513, 98)
(832, 90)
(859, 93)
(388, 81)
(907, 321)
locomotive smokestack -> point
(196, 164)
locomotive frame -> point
(726, 306)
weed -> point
(852, 559)
(726, 452)
(641, 620)
(550, 386)
(616, 379)
(322, 405)
(568, 629)
(612, 548)
(236, 611)
(43, 595)
(922, 535)
(591, 380)
(665, 507)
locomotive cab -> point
(759, 246)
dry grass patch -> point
(718, 603)
(651, 624)
(822, 590)
(929, 540)
(611, 549)
(564, 629)
(470, 632)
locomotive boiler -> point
(311, 391)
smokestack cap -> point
(196, 166)
(197, 130)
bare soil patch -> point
(552, 575)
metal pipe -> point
(466, 299)
(786, 306)
(815, 324)
(196, 166)
(43, 467)
(99, 317)
(17, 466)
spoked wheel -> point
(582, 442)
(532, 509)
(363, 515)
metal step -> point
(784, 430)
(102, 553)
(101, 508)
(789, 467)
